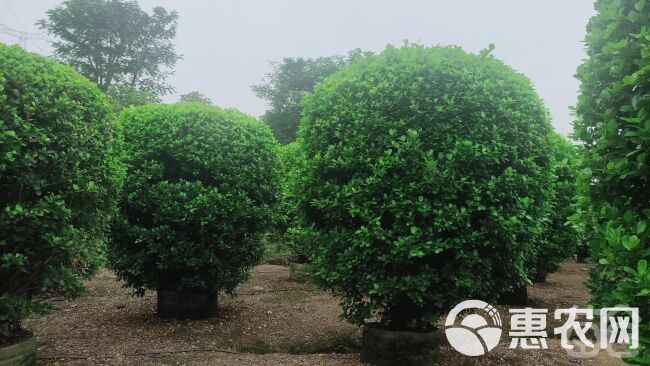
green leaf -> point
(640, 5)
(630, 242)
(612, 126)
(416, 253)
(642, 266)
(629, 80)
(644, 292)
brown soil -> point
(272, 321)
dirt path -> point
(271, 322)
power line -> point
(23, 36)
(11, 10)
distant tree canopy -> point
(115, 42)
(284, 87)
(123, 96)
(194, 97)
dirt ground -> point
(271, 321)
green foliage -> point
(124, 96)
(426, 174)
(115, 42)
(275, 252)
(200, 188)
(284, 87)
(194, 97)
(59, 174)
(614, 125)
(289, 227)
(300, 240)
(561, 238)
(290, 158)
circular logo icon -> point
(476, 334)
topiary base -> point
(516, 297)
(380, 346)
(186, 305)
(22, 353)
(300, 272)
(582, 255)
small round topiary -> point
(426, 175)
(59, 174)
(200, 188)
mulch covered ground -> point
(271, 322)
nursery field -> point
(271, 321)
(401, 184)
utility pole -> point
(22, 36)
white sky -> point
(226, 44)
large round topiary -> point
(200, 188)
(59, 174)
(613, 123)
(426, 175)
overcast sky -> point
(226, 44)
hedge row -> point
(614, 126)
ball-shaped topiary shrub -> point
(426, 175)
(59, 174)
(200, 189)
(614, 125)
(560, 239)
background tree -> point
(284, 87)
(194, 97)
(123, 96)
(115, 42)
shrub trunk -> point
(381, 346)
(300, 272)
(582, 255)
(516, 297)
(186, 305)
